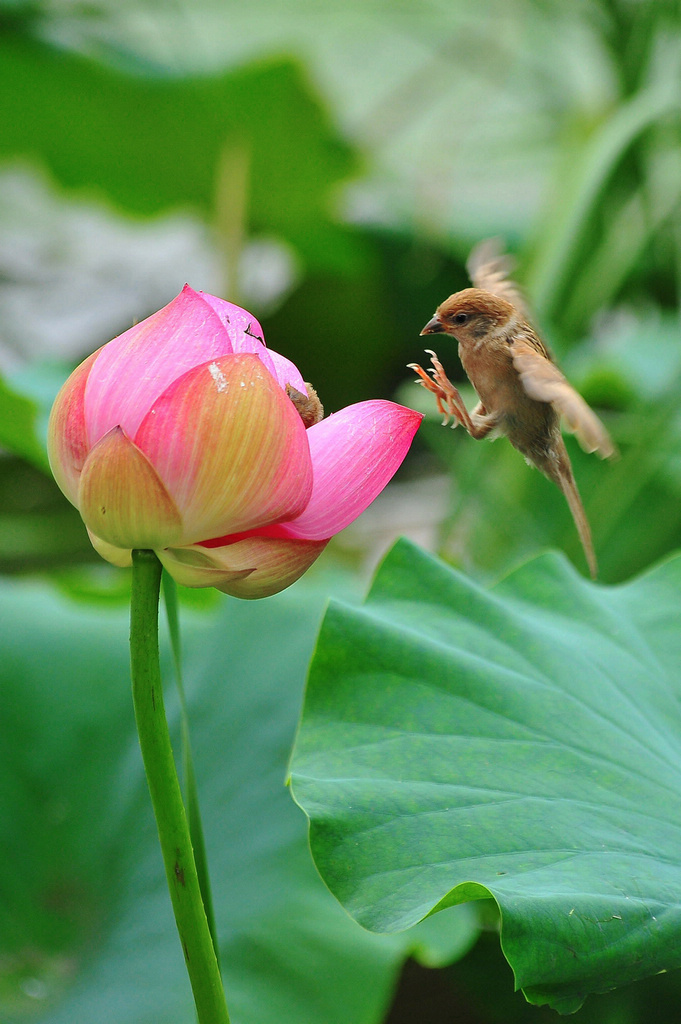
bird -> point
(522, 392)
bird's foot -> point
(435, 380)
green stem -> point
(166, 797)
(191, 793)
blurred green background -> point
(330, 166)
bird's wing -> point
(489, 268)
(543, 381)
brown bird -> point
(522, 392)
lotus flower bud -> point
(187, 435)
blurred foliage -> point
(374, 143)
(18, 427)
(249, 144)
(85, 922)
(95, 127)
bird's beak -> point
(433, 326)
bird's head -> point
(471, 316)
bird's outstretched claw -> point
(435, 380)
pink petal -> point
(247, 336)
(244, 330)
(286, 372)
(67, 443)
(237, 321)
(136, 367)
(355, 452)
(229, 447)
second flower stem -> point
(190, 789)
(166, 796)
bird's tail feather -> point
(559, 469)
(569, 488)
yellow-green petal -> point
(121, 557)
(229, 447)
(250, 568)
(121, 498)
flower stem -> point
(189, 786)
(166, 796)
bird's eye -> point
(461, 318)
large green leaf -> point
(86, 930)
(521, 743)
